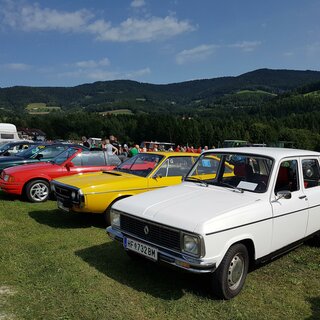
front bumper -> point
(9, 187)
(169, 257)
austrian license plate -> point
(141, 248)
(62, 207)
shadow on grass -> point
(66, 220)
(10, 197)
(142, 274)
(315, 308)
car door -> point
(170, 172)
(311, 185)
(290, 216)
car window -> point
(93, 158)
(112, 159)
(175, 166)
(288, 177)
(64, 156)
(50, 151)
(141, 164)
(311, 173)
(232, 170)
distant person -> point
(110, 148)
(85, 142)
(134, 151)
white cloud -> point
(137, 3)
(17, 66)
(92, 63)
(246, 46)
(198, 53)
(104, 75)
(140, 30)
(29, 18)
(34, 18)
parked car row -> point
(234, 208)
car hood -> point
(29, 167)
(104, 181)
(192, 207)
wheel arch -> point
(34, 179)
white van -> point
(8, 132)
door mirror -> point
(69, 165)
(39, 156)
(283, 194)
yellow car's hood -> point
(104, 181)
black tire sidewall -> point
(220, 277)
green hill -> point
(248, 89)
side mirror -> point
(284, 194)
(39, 156)
(69, 165)
(156, 176)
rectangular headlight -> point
(115, 218)
(8, 178)
(191, 244)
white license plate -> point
(62, 207)
(141, 248)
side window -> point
(77, 160)
(287, 178)
(93, 158)
(179, 166)
(311, 173)
(163, 170)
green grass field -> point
(40, 108)
(56, 265)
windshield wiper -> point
(230, 186)
(197, 180)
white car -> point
(220, 222)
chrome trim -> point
(196, 265)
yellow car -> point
(96, 192)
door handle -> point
(303, 197)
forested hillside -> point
(264, 106)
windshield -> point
(64, 156)
(30, 151)
(4, 146)
(141, 164)
(232, 170)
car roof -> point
(276, 153)
(172, 153)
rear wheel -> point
(229, 278)
(37, 190)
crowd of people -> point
(112, 146)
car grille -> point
(63, 193)
(157, 234)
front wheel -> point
(37, 190)
(230, 276)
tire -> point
(38, 190)
(106, 216)
(229, 278)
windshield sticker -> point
(247, 185)
(206, 163)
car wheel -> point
(230, 276)
(37, 190)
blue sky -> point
(71, 42)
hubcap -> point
(39, 192)
(235, 272)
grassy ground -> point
(62, 266)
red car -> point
(33, 180)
